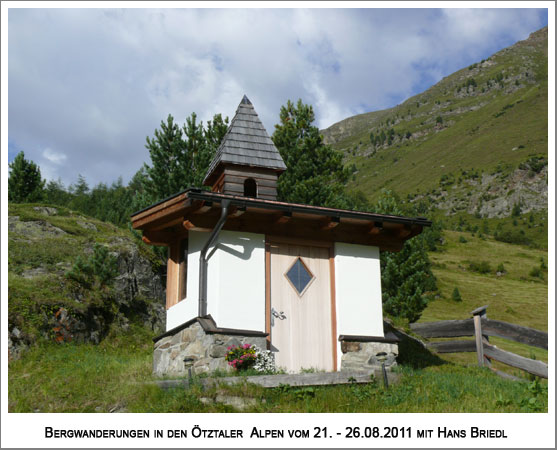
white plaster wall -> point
(188, 308)
(235, 281)
(238, 300)
(358, 291)
(179, 313)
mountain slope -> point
(475, 142)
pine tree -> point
(315, 174)
(166, 150)
(456, 295)
(55, 193)
(81, 200)
(25, 184)
(213, 134)
(406, 277)
(180, 157)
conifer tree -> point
(166, 150)
(81, 200)
(406, 277)
(55, 193)
(180, 157)
(315, 174)
(456, 295)
(25, 184)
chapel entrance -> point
(301, 308)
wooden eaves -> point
(194, 209)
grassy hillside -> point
(510, 279)
(459, 144)
(73, 278)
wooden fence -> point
(481, 328)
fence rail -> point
(480, 327)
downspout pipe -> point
(203, 258)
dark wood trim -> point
(162, 237)
(218, 184)
(268, 292)
(237, 332)
(173, 274)
(389, 338)
(157, 207)
(198, 194)
(261, 182)
(183, 271)
(161, 212)
(261, 214)
(299, 241)
(330, 223)
(333, 306)
(210, 327)
(252, 172)
(283, 218)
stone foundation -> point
(205, 345)
(360, 356)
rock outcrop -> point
(136, 294)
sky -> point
(87, 86)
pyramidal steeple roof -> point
(246, 143)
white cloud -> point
(93, 83)
(54, 157)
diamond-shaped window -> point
(299, 275)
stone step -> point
(302, 379)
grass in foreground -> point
(114, 377)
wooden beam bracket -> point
(376, 227)
(237, 211)
(284, 217)
(405, 231)
(330, 223)
(187, 225)
(205, 207)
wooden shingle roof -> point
(246, 143)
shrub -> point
(501, 268)
(513, 237)
(439, 119)
(534, 163)
(480, 267)
(456, 295)
(536, 272)
(462, 240)
(516, 210)
(241, 357)
(98, 270)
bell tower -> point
(247, 163)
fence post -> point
(478, 314)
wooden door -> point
(301, 322)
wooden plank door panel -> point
(303, 339)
